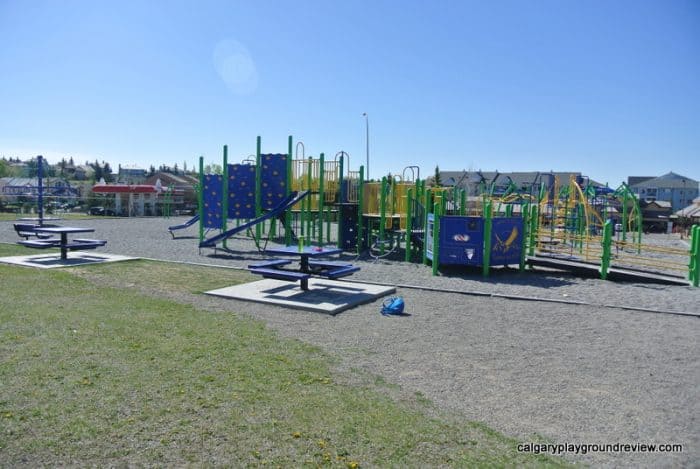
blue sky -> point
(608, 88)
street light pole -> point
(367, 139)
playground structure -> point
(503, 225)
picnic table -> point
(307, 266)
(63, 244)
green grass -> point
(94, 373)
(4, 216)
(7, 250)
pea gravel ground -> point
(541, 356)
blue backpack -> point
(392, 305)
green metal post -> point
(409, 224)
(534, 228)
(307, 212)
(224, 195)
(463, 202)
(694, 265)
(382, 214)
(426, 206)
(341, 198)
(624, 216)
(200, 199)
(605, 255)
(360, 201)
(288, 214)
(258, 188)
(321, 197)
(436, 237)
(525, 214)
(329, 214)
(488, 208)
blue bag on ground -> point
(392, 305)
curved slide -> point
(182, 226)
(286, 204)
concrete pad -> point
(53, 260)
(323, 296)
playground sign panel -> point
(506, 240)
(461, 240)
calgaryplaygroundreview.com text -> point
(584, 448)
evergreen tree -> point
(107, 172)
(437, 182)
(99, 174)
(32, 166)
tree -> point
(32, 168)
(107, 172)
(437, 182)
(213, 169)
(99, 173)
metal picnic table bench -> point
(307, 268)
(62, 243)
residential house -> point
(656, 215)
(674, 188)
(131, 174)
(689, 215)
(57, 188)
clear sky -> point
(609, 88)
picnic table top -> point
(310, 251)
(63, 229)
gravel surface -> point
(540, 356)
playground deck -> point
(588, 269)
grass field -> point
(101, 366)
(4, 216)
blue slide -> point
(182, 226)
(286, 204)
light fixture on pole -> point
(367, 139)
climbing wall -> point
(241, 191)
(212, 191)
(273, 183)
